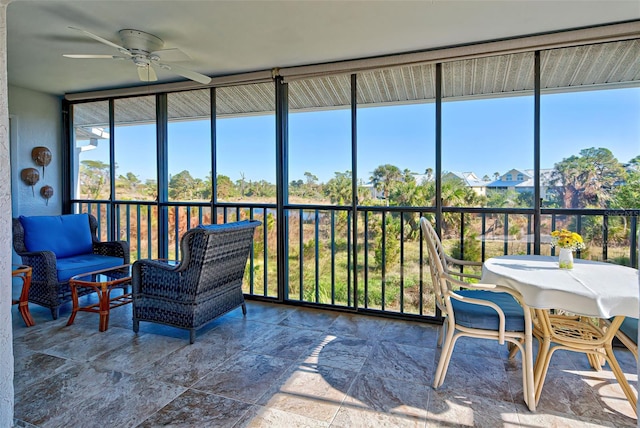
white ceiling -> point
(227, 37)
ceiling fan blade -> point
(147, 74)
(101, 40)
(170, 55)
(189, 74)
(83, 56)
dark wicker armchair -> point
(206, 284)
(51, 273)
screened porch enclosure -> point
(339, 169)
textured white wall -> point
(37, 119)
(6, 335)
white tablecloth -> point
(591, 288)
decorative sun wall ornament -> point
(41, 156)
(30, 176)
(46, 192)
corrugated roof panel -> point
(245, 99)
(320, 92)
(629, 63)
(574, 67)
(491, 75)
(191, 104)
(615, 62)
(397, 84)
(91, 114)
(135, 110)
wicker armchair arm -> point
(156, 277)
(43, 263)
(113, 248)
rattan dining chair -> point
(484, 311)
(628, 335)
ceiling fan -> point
(145, 50)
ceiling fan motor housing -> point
(140, 42)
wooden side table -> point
(102, 281)
(24, 273)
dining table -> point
(578, 309)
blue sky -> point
(484, 136)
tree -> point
(182, 186)
(429, 173)
(627, 195)
(150, 189)
(587, 179)
(94, 179)
(383, 177)
(241, 183)
(207, 187)
(311, 185)
(311, 179)
(408, 193)
(456, 194)
(502, 198)
(226, 188)
(338, 189)
(128, 183)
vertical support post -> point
(67, 149)
(112, 161)
(536, 154)
(633, 248)
(605, 236)
(282, 178)
(354, 183)
(163, 175)
(438, 171)
(214, 159)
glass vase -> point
(565, 258)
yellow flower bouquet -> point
(568, 242)
(565, 239)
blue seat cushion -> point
(476, 316)
(65, 235)
(84, 263)
(630, 328)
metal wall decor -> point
(30, 176)
(46, 192)
(41, 156)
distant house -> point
(470, 179)
(522, 181)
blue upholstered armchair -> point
(59, 247)
(206, 284)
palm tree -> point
(383, 178)
(429, 173)
(338, 189)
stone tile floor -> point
(290, 367)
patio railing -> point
(321, 252)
